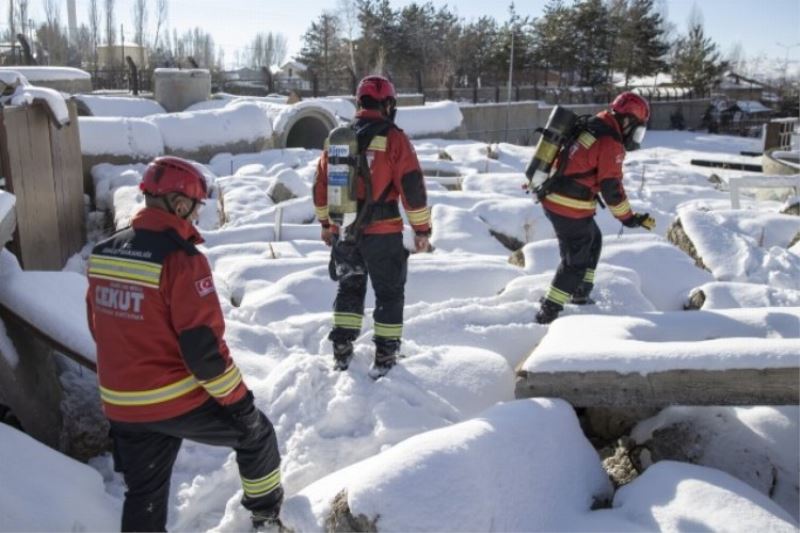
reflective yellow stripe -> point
(589, 276)
(586, 139)
(566, 201)
(347, 320)
(419, 216)
(222, 386)
(557, 295)
(378, 143)
(546, 151)
(262, 485)
(620, 209)
(147, 397)
(322, 213)
(388, 331)
(130, 270)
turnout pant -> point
(383, 259)
(579, 244)
(145, 452)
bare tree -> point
(162, 10)
(94, 28)
(139, 21)
(111, 30)
(349, 17)
(52, 13)
(12, 19)
(22, 13)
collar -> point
(152, 219)
(609, 119)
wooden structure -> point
(42, 165)
(769, 386)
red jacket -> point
(393, 163)
(155, 316)
(596, 164)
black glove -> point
(643, 220)
(246, 417)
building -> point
(114, 55)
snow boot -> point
(342, 355)
(266, 520)
(386, 353)
(548, 311)
(581, 296)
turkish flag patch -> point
(204, 286)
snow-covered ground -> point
(439, 443)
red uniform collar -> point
(150, 218)
(609, 119)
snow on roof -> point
(661, 78)
(656, 342)
(293, 63)
(34, 74)
(752, 106)
(115, 106)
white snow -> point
(120, 106)
(405, 443)
(46, 491)
(30, 295)
(497, 472)
(652, 342)
(113, 136)
(240, 122)
(26, 94)
(34, 74)
(438, 117)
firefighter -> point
(593, 166)
(164, 370)
(378, 251)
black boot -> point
(581, 296)
(342, 354)
(548, 311)
(267, 520)
(386, 353)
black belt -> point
(381, 211)
(567, 186)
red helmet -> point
(629, 103)
(376, 87)
(174, 175)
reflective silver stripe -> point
(147, 397)
(224, 384)
(263, 485)
(140, 272)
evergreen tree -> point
(554, 43)
(592, 39)
(378, 45)
(322, 50)
(476, 47)
(642, 48)
(696, 61)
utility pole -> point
(510, 82)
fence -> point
(42, 167)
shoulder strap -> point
(598, 128)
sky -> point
(769, 28)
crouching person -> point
(164, 370)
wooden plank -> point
(26, 132)
(770, 386)
(68, 184)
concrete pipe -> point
(177, 89)
(303, 127)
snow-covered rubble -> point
(432, 445)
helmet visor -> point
(638, 134)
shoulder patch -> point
(204, 286)
(378, 143)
